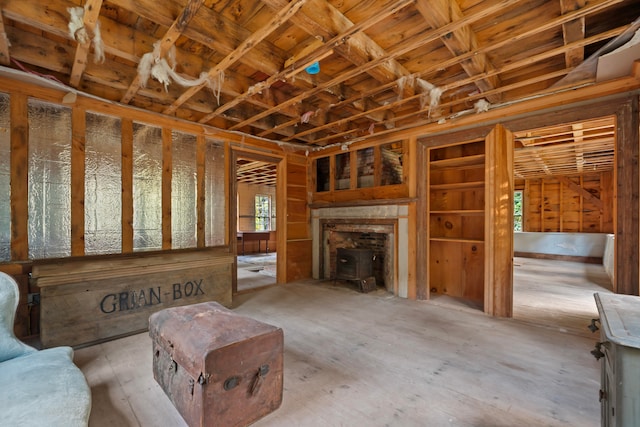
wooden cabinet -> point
(619, 352)
(456, 220)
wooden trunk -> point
(88, 301)
(218, 368)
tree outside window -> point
(517, 210)
(263, 212)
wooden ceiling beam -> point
(247, 45)
(119, 40)
(5, 57)
(398, 50)
(358, 49)
(573, 31)
(302, 63)
(438, 13)
(512, 66)
(228, 33)
(592, 8)
(53, 17)
(265, 56)
(167, 41)
(90, 20)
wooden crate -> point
(88, 301)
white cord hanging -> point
(76, 25)
(79, 33)
(431, 93)
(98, 45)
(163, 70)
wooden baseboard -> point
(584, 259)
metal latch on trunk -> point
(257, 382)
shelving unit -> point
(456, 204)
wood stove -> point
(354, 264)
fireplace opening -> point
(342, 241)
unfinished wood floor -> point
(372, 359)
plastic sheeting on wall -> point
(184, 216)
(147, 187)
(215, 208)
(49, 180)
(5, 179)
(103, 188)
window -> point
(263, 212)
(517, 210)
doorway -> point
(564, 207)
(255, 222)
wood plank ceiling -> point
(242, 65)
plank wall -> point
(574, 204)
(298, 261)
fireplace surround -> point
(390, 220)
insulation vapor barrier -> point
(214, 194)
(183, 191)
(49, 180)
(103, 193)
(147, 187)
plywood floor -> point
(372, 359)
(256, 271)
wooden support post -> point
(377, 166)
(542, 205)
(560, 206)
(353, 169)
(78, 142)
(167, 169)
(127, 185)
(526, 197)
(411, 252)
(498, 276)
(422, 223)
(200, 190)
(627, 231)
(19, 178)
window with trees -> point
(517, 210)
(263, 212)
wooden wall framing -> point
(292, 168)
(574, 204)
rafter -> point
(90, 19)
(486, 49)
(573, 31)
(167, 41)
(462, 40)
(357, 49)
(248, 44)
(5, 57)
(400, 49)
(295, 68)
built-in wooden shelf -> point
(458, 186)
(472, 161)
(456, 209)
(455, 239)
(459, 212)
